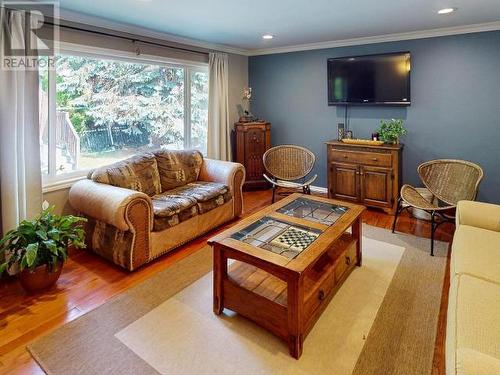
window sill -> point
(50, 186)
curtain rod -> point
(133, 40)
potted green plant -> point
(39, 247)
(391, 130)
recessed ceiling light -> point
(267, 36)
(447, 10)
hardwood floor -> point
(88, 281)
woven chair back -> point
(451, 180)
(289, 162)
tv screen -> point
(369, 80)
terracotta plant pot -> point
(39, 279)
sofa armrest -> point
(109, 204)
(229, 173)
(478, 214)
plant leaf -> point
(51, 245)
(42, 234)
(55, 263)
(54, 234)
(23, 264)
(8, 237)
(31, 253)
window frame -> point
(53, 181)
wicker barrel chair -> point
(288, 166)
(449, 181)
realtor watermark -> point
(28, 34)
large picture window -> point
(98, 110)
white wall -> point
(59, 199)
(238, 79)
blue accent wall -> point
(455, 110)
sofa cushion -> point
(178, 167)
(164, 222)
(208, 195)
(138, 173)
(202, 191)
(182, 203)
(476, 252)
(168, 204)
(473, 320)
(206, 206)
(171, 209)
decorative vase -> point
(394, 141)
(40, 278)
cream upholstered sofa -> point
(147, 205)
(473, 320)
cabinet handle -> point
(348, 260)
(345, 156)
(374, 159)
(321, 295)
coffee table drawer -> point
(346, 260)
(319, 295)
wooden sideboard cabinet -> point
(253, 139)
(370, 175)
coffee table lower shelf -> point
(284, 302)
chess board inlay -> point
(278, 236)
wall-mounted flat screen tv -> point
(369, 80)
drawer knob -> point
(374, 159)
(321, 295)
(345, 156)
(348, 260)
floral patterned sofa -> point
(142, 207)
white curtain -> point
(219, 131)
(20, 175)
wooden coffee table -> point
(288, 260)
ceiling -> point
(241, 24)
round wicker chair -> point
(449, 181)
(288, 166)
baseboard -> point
(319, 189)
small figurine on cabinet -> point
(247, 95)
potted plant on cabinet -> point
(39, 247)
(391, 130)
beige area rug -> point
(205, 343)
(166, 325)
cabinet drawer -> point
(319, 296)
(360, 157)
(346, 260)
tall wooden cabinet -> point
(252, 140)
(370, 175)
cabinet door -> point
(376, 186)
(255, 147)
(344, 181)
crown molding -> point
(86, 19)
(430, 33)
